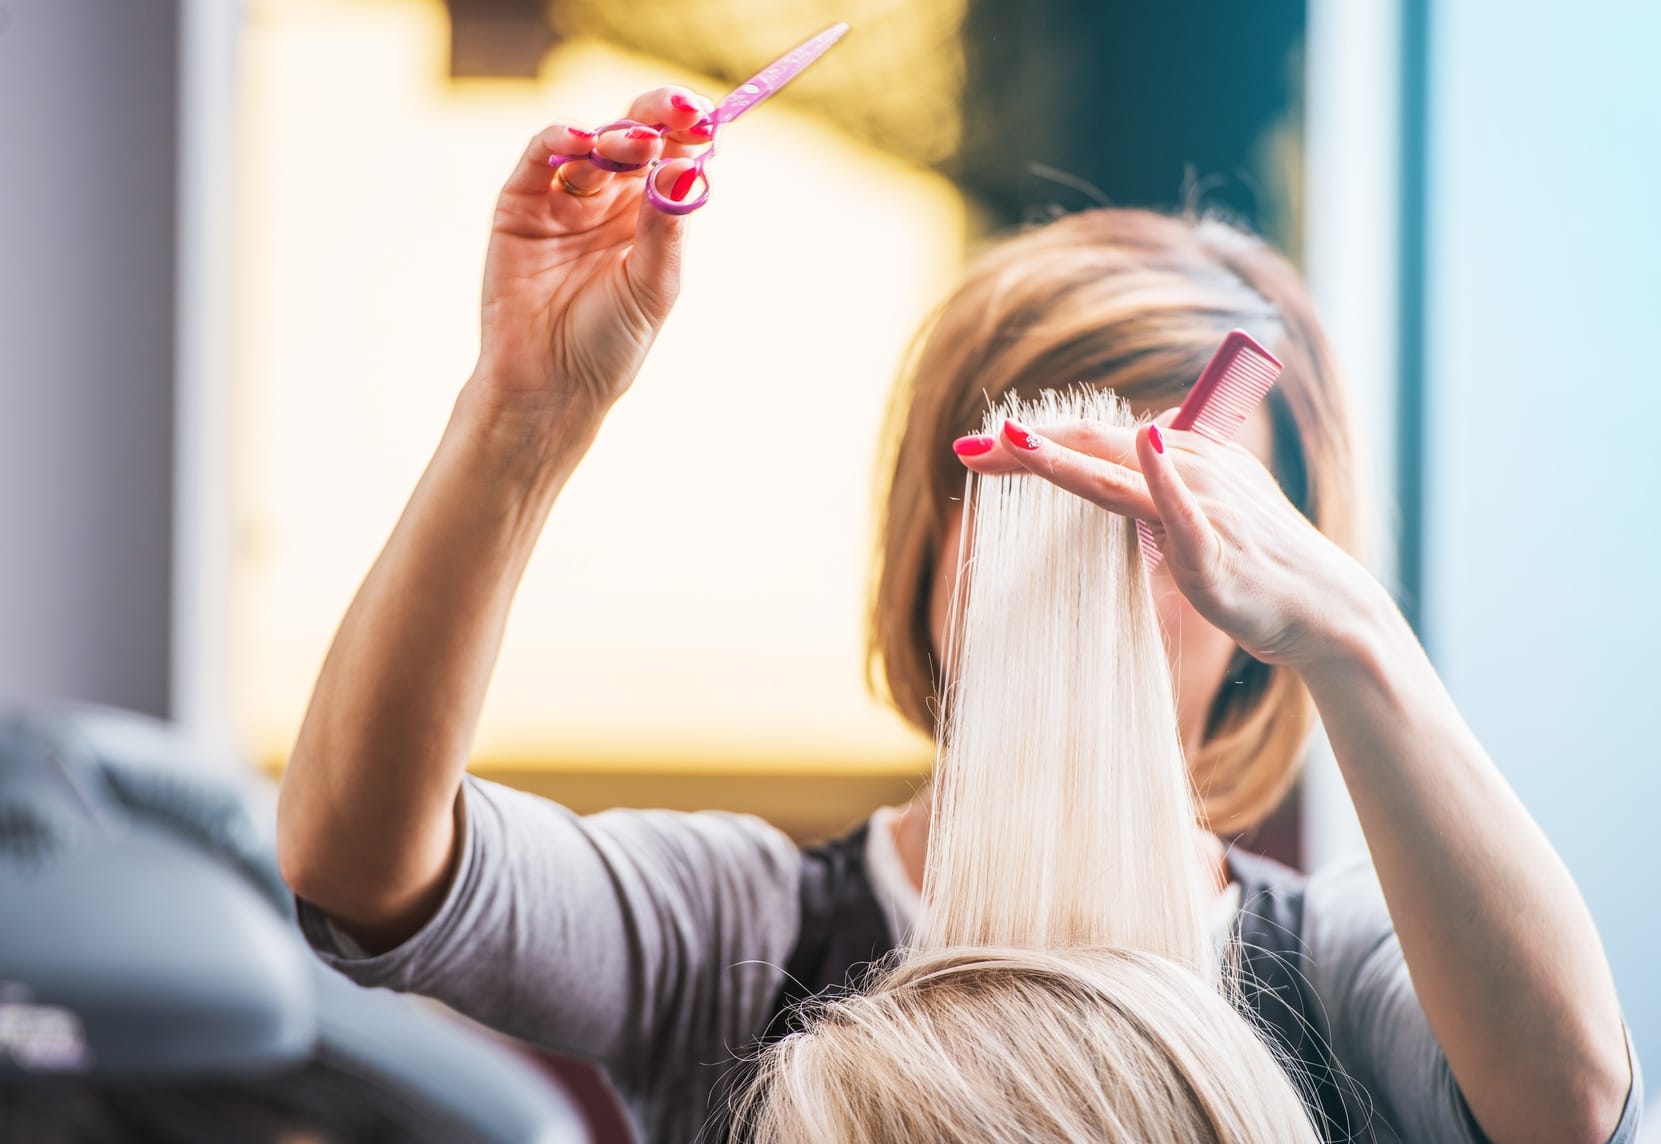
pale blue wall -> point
(1543, 447)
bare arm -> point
(1503, 952)
(366, 822)
(576, 287)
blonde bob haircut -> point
(1135, 302)
(1011, 1046)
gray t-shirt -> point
(653, 942)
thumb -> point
(654, 264)
(1189, 537)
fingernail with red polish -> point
(683, 183)
(579, 133)
(973, 446)
(681, 103)
(640, 133)
(1020, 436)
(701, 131)
(1155, 439)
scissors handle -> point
(741, 99)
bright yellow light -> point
(699, 594)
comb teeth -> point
(1228, 388)
(1232, 384)
(1243, 384)
(1151, 555)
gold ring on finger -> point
(571, 188)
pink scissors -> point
(745, 96)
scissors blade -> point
(776, 74)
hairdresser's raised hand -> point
(581, 271)
(1248, 560)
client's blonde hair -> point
(1028, 1047)
(1064, 983)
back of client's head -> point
(1014, 1045)
(1064, 983)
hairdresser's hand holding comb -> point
(1533, 1034)
(1246, 558)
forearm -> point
(1502, 950)
(366, 824)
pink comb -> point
(1232, 384)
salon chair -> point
(153, 987)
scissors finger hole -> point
(626, 146)
(679, 186)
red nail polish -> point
(973, 446)
(1019, 436)
(579, 133)
(681, 103)
(701, 131)
(683, 183)
(640, 133)
(1155, 439)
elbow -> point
(1595, 1098)
(1603, 1097)
(291, 864)
(1579, 1098)
(295, 863)
(299, 859)
(313, 875)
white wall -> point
(87, 111)
(1352, 244)
(1543, 461)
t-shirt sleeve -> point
(1376, 1026)
(650, 941)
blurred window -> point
(699, 597)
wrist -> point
(532, 434)
(1365, 633)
